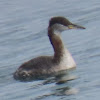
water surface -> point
(23, 35)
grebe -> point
(46, 65)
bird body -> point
(46, 65)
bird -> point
(48, 65)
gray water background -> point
(23, 35)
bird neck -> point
(57, 44)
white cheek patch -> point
(59, 27)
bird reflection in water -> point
(62, 80)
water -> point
(23, 25)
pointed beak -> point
(74, 26)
